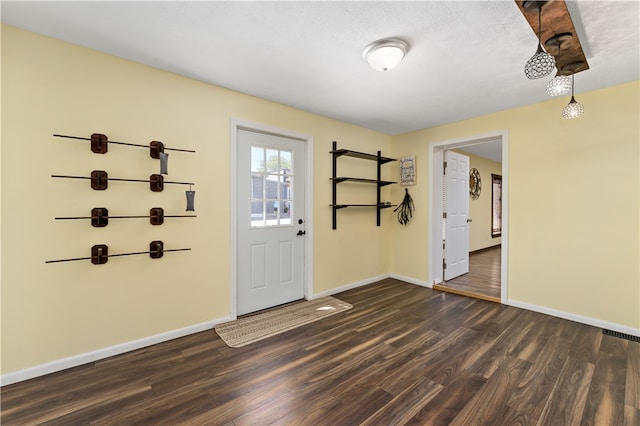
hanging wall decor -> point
(408, 170)
(405, 209)
(191, 195)
(100, 253)
(100, 180)
(100, 144)
(100, 216)
(475, 183)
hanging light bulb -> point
(541, 63)
(560, 84)
(574, 109)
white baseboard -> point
(411, 280)
(574, 317)
(76, 360)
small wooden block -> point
(99, 143)
(99, 254)
(99, 180)
(156, 249)
(99, 217)
(156, 183)
(156, 215)
(155, 148)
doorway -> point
(487, 266)
(270, 216)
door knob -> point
(301, 232)
(300, 221)
(469, 220)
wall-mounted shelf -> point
(379, 183)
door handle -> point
(469, 220)
(301, 232)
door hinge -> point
(444, 168)
(444, 264)
(444, 215)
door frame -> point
(239, 124)
(435, 250)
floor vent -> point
(621, 335)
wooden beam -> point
(556, 20)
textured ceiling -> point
(465, 60)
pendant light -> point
(541, 63)
(574, 109)
(561, 83)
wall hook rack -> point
(100, 216)
(100, 253)
(100, 180)
(100, 144)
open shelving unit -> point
(379, 183)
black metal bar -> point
(121, 217)
(68, 260)
(70, 177)
(123, 143)
(112, 255)
(334, 183)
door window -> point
(272, 186)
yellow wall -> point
(54, 311)
(573, 204)
(574, 189)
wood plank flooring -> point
(403, 355)
(483, 279)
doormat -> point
(244, 331)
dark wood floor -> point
(482, 280)
(403, 355)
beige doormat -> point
(253, 328)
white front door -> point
(270, 221)
(457, 213)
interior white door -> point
(457, 213)
(270, 220)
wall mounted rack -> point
(100, 253)
(100, 216)
(100, 144)
(100, 180)
(379, 183)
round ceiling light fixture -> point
(386, 54)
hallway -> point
(482, 280)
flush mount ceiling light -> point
(386, 54)
(541, 63)
(561, 83)
(574, 109)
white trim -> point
(76, 360)
(411, 280)
(574, 317)
(435, 169)
(237, 124)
